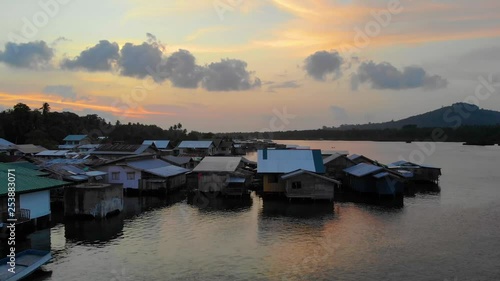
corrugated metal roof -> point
(218, 164)
(95, 173)
(74, 137)
(161, 144)
(381, 175)
(148, 164)
(66, 146)
(30, 148)
(406, 164)
(235, 180)
(88, 146)
(5, 142)
(330, 152)
(167, 171)
(53, 153)
(27, 183)
(300, 172)
(353, 156)
(286, 160)
(195, 144)
(21, 170)
(331, 158)
(362, 169)
(177, 160)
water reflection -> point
(207, 202)
(94, 231)
(276, 208)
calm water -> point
(451, 235)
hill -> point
(458, 114)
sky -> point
(241, 65)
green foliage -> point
(42, 127)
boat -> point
(26, 262)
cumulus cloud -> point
(182, 71)
(291, 84)
(324, 64)
(229, 75)
(140, 61)
(386, 76)
(65, 91)
(98, 58)
(35, 54)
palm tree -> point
(45, 108)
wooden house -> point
(164, 146)
(272, 164)
(198, 148)
(419, 173)
(223, 174)
(73, 141)
(181, 161)
(335, 164)
(361, 159)
(370, 179)
(308, 185)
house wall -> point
(364, 184)
(176, 182)
(335, 168)
(212, 182)
(92, 200)
(123, 170)
(311, 187)
(37, 202)
(273, 187)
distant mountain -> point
(458, 114)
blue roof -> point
(286, 160)
(381, 175)
(362, 169)
(161, 144)
(74, 137)
(5, 142)
(195, 144)
(148, 164)
(167, 171)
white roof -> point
(195, 144)
(218, 164)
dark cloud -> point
(323, 64)
(140, 61)
(386, 76)
(59, 40)
(98, 58)
(229, 75)
(291, 84)
(65, 91)
(182, 70)
(35, 54)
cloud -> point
(98, 58)
(140, 61)
(386, 76)
(291, 84)
(59, 40)
(35, 54)
(229, 75)
(323, 64)
(182, 70)
(65, 91)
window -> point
(272, 178)
(130, 176)
(296, 185)
(115, 176)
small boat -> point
(26, 262)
